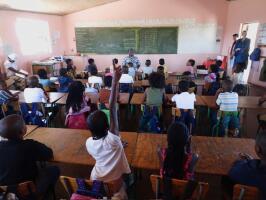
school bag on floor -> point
(149, 121)
(83, 193)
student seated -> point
(177, 161)
(34, 93)
(212, 76)
(44, 80)
(185, 102)
(25, 154)
(190, 66)
(160, 69)
(105, 145)
(94, 79)
(64, 80)
(71, 68)
(249, 171)
(6, 97)
(154, 95)
(147, 69)
(77, 108)
(131, 70)
(126, 81)
(187, 76)
(162, 64)
(91, 66)
(228, 103)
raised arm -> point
(114, 127)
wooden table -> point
(30, 128)
(216, 155)
(69, 144)
(53, 96)
(123, 98)
(138, 99)
(247, 102)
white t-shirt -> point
(34, 95)
(111, 162)
(132, 72)
(125, 78)
(95, 79)
(184, 100)
(8, 65)
(147, 70)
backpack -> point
(149, 121)
(77, 121)
(32, 115)
(255, 55)
(83, 193)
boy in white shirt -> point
(185, 102)
(94, 79)
(131, 70)
(126, 81)
(105, 145)
(34, 93)
(147, 69)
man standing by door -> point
(241, 53)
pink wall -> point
(9, 41)
(242, 11)
(202, 11)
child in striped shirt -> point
(227, 100)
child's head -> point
(183, 86)
(33, 82)
(148, 63)
(42, 74)
(98, 124)
(12, 127)
(107, 70)
(219, 63)
(157, 80)
(94, 71)
(91, 61)
(227, 86)
(75, 96)
(191, 62)
(161, 61)
(178, 146)
(125, 69)
(63, 72)
(3, 85)
(130, 64)
(69, 62)
(108, 81)
(160, 69)
(260, 146)
(115, 61)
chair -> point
(25, 190)
(243, 192)
(70, 185)
(178, 187)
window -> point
(34, 36)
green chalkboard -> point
(160, 40)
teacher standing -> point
(241, 52)
(131, 58)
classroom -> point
(143, 99)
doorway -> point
(252, 30)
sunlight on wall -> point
(34, 36)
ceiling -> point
(56, 7)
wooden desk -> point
(216, 155)
(123, 98)
(53, 96)
(30, 128)
(247, 102)
(138, 99)
(69, 144)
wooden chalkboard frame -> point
(161, 40)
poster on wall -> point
(262, 34)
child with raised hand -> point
(105, 145)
